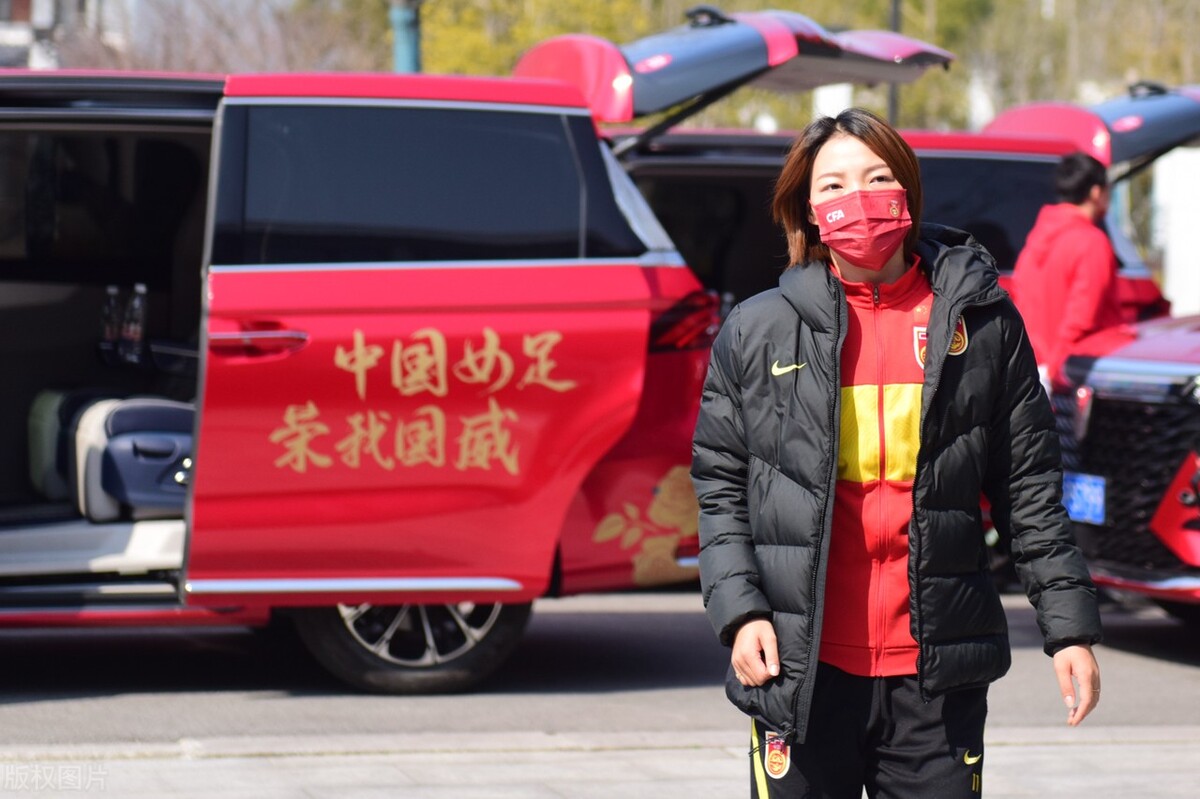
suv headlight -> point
(1084, 396)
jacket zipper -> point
(877, 541)
(915, 534)
(816, 603)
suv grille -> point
(1137, 447)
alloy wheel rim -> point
(420, 636)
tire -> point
(412, 649)
(278, 632)
(1185, 612)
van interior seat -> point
(132, 458)
(44, 426)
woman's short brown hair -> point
(793, 188)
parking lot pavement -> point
(1147, 762)
(634, 714)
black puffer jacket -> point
(765, 466)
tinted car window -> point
(608, 232)
(336, 184)
(96, 207)
(996, 200)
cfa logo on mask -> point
(834, 216)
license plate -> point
(1083, 494)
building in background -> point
(16, 32)
(1175, 235)
(211, 36)
(31, 31)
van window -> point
(612, 215)
(328, 184)
(80, 206)
(994, 199)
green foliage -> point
(486, 37)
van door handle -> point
(257, 342)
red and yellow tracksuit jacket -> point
(866, 625)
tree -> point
(487, 37)
(1084, 50)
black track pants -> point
(875, 733)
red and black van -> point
(407, 353)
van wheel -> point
(412, 649)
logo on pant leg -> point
(972, 762)
(777, 756)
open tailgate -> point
(1131, 130)
(715, 53)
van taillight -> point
(689, 324)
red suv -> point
(398, 336)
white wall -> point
(1176, 198)
(829, 101)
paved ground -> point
(1140, 743)
(1148, 763)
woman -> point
(850, 422)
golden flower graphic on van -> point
(655, 564)
(671, 515)
(674, 503)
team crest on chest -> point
(777, 756)
(958, 342)
(920, 339)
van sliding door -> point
(412, 357)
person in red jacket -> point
(1065, 280)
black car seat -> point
(132, 458)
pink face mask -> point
(865, 227)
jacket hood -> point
(958, 267)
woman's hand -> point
(1074, 666)
(755, 653)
